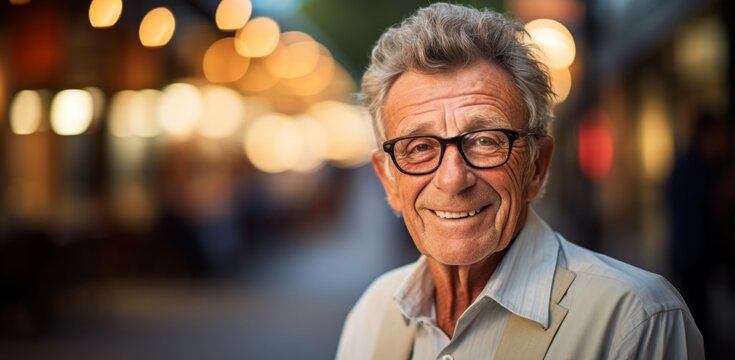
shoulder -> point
(615, 308)
(602, 277)
(383, 288)
(363, 322)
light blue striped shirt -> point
(521, 284)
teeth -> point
(456, 215)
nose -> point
(454, 175)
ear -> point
(540, 167)
(382, 169)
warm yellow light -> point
(561, 83)
(222, 63)
(104, 13)
(257, 78)
(179, 109)
(348, 133)
(71, 112)
(121, 110)
(19, 2)
(314, 144)
(274, 143)
(315, 81)
(222, 112)
(554, 41)
(701, 54)
(98, 101)
(133, 113)
(143, 121)
(258, 38)
(656, 139)
(26, 112)
(157, 27)
(233, 14)
(296, 55)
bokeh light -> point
(71, 112)
(274, 143)
(314, 135)
(233, 14)
(98, 105)
(656, 139)
(104, 13)
(19, 2)
(316, 80)
(122, 107)
(157, 27)
(133, 113)
(26, 112)
(258, 38)
(257, 78)
(222, 63)
(561, 84)
(595, 147)
(555, 42)
(222, 112)
(144, 121)
(179, 109)
(296, 55)
(348, 134)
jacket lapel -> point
(527, 339)
(395, 340)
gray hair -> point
(445, 37)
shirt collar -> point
(521, 283)
(523, 279)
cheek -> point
(511, 186)
(515, 178)
(408, 189)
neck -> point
(457, 286)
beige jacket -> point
(599, 309)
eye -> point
(486, 141)
(420, 147)
(421, 144)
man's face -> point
(435, 207)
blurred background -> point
(189, 178)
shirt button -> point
(447, 357)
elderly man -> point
(462, 110)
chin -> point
(460, 256)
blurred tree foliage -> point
(355, 25)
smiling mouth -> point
(457, 215)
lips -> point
(457, 215)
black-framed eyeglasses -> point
(480, 149)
